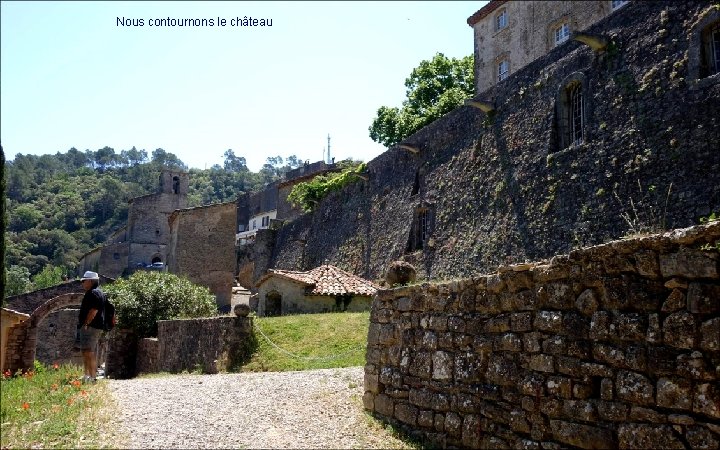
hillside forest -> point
(59, 207)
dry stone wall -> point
(611, 346)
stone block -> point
(630, 326)
(635, 435)
(439, 422)
(580, 410)
(425, 399)
(495, 283)
(679, 330)
(542, 363)
(635, 388)
(662, 360)
(487, 303)
(640, 414)
(371, 383)
(525, 300)
(442, 365)
(675, 301)
(612, 411)
(606, 389)
(703, 298)
(471, 433)
(425, 419)
(694, 366)
(674, 393)
(521, 321)
(680, 419)
(456, 324)
(596, 370)
(429, 340)
(518, 421)
(550, 321)
(689, 263)
(384, 405)
(654, 332)
(555, 345)
(517, 281)
(567, 365)
(438, 322)
(470, 367)
(453, 424)
(582, 391)
(710, 334)
(610, 355)
(583, 436)
(587, 302)
(497, 324)
(369, 401)
(700, 437)
(600, 325)
(421, 365)
(465, 403)
(707, 400)
(560, 387)
(387, 334)
(406, 413)
(575, 325)
(508, 342)
(646, 262)
(531, 342)
(556, 296)
(502, 370)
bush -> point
(309, 193)
(146, 297)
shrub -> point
(309, 193)
(146, 297)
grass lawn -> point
(309, 341)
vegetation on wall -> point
(309, 193)
(146, 297)
(434, 88)
(61, 206)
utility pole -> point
(328, 150)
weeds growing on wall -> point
(647, 212)
(309, 193)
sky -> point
(89, 75)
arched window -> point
(176, 185)
(571, 112)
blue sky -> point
(70, 76)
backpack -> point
(109, 319)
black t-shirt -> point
(93, 299)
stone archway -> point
(22, 339)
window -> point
(176, 185)
(710, 51)
(577, 117)
(571, 112)
(501, 20)
(562, 33)
(420, 230)
(503, 69)
(618, 3)
(116, 255)
(265, 221)
(254, 224)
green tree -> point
(146, 297)
(17, 281)
(48, 277)
(434, 88)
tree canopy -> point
(434, 88)
(59, 207)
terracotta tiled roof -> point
(485, 11)
(326, 280)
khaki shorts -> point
(87, 339)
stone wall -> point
(616, 345)
(499, 188)
(211, 345)
(56, 338)
(148, 228)
(202, 248)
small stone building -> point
(323, 289)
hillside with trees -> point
(58, 207)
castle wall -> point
(500, 189)
(611, 346)
(202, 247)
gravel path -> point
(309, 409)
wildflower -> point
(75, 383)
(55, 408)
(83, 393)
(54, 387)
(56, 366)
(26, 405)
(70, 401)
(7, 374)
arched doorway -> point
(273, 303)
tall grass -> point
(309, 341)
(49, 407)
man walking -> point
(90, 323)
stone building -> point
(144, 240)
(323, 289)
(511, 34)
(579, 147)
(202, 248)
